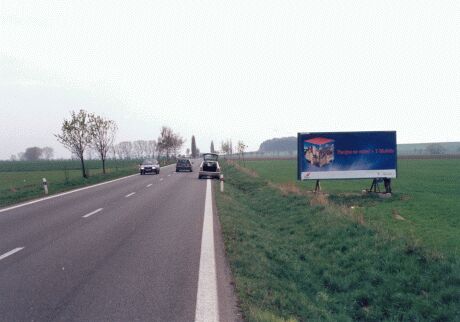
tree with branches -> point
(169, 142)
(76, 136)
(48, 153)
(103, 134)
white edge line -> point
(149, 185)
(207, 307)
(92, 213)
(129, 195)
(11, 252)
(69, 192)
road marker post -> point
(45, 186)
(222, 183)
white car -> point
(149, 166)
(209, 166)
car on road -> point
(209, 166)
(183, 165)
(149, 166)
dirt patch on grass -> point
(396, 215)
(319, 199)
(287, 188)
(247, 171)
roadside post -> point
(222, 183)
(45, 186)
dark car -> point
(183, 165)
(149, 166)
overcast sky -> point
(245, 70)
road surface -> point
(134, 249)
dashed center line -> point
(129, 195)
(11, 252)
(149, 185)
(92, 213)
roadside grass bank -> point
(425, 203)
(21, 181)
(297, 260)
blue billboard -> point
(346, 155)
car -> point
(183, 164)
(209, 166)
(149, 166)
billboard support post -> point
(317, 186)
(375, 186)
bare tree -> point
(178, 142)
(13, 158)
(187, 152)
(169, 142)
(76, 136)
(152, 148)
(141, 149)
(126, 149)
(103, 133)
(48, 152)
(241, 147)
(227, 147)
(118, 151)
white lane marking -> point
(92, 213)
(169, 175)
(161, 179)
(11, 252)
(207, 308)
(71, 191)
(129, 195)
(149, 185)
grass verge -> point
(62, 175)
(297, 260)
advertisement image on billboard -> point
(346, 155)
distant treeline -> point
(288, 146)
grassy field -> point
(20, 181)
(425, 203)
(343, 257)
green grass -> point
(426, 195)
(17, 186)
(293, 261)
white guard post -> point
(45, 186)
(222, 183)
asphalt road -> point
(128, 250)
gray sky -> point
(245, 70)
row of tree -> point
(139, 149)
(86, 131)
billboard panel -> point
(346, 155)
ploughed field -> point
(22, 180)
(342, 255)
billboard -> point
(346, 155)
